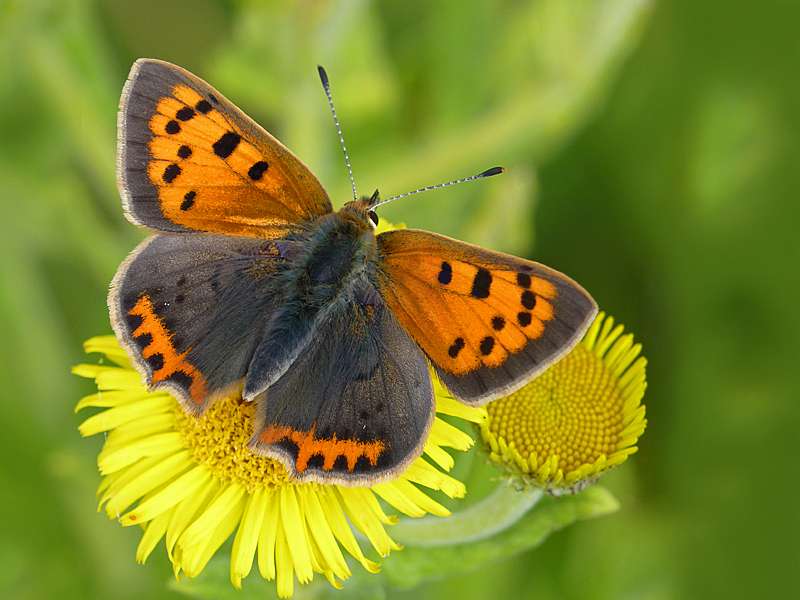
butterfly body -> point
(333, 263)
(252, 284)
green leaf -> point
(419, 563)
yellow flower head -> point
(580, 417)
(194, 482)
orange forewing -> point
(465, 306)
(210, 166)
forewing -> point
(489, 322)
(190, 310)
(189, 160)
(356, 405)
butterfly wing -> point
(190, 309)
(355, 407)
(189, 160)
(489, 322)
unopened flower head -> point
(579, 418)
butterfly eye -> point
(373, 216)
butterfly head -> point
(362, 210)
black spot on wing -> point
(226, 144)
(171, 172)
(185, 113)
(524, 280)
(184, 380)
(446, 273)
(486, 345)
(144, 340)
(289, 447)
(317, 461)
(188, 202)
(528, 299)
(481, 283)
(363, 465)
(184, 152)
(524, 318)
(258, 169)
(203, 106)
(498, 323)
(456, 347)
(134, 321)
(172, 127)
(156, 361)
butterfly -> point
(252, 284)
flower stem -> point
(495, 513)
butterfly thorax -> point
(329, 266)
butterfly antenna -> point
(428, 188)
(323, 76)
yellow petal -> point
(341, 529)
(229, 496)
(187, 510)
(195, 557)
(423, 473)
(446, 435)
(322, 534)
(185, 485)
(108, 345)
(154, 445)
(109, 399)
(157, 475)
(244, 545)
(153, 533)
(130, 411)
(283, 562)
(294, 530)
(360, 513)
(268, 538)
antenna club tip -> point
(323, 76)
(492, 171)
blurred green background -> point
(653, 153)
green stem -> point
(495, 513)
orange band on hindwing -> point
(330, 449)
(158, 350)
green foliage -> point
(652, 151)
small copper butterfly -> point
(254, 285)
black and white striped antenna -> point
(323, 76)
(428, 188)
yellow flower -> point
(193, 482)
(580, 417)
